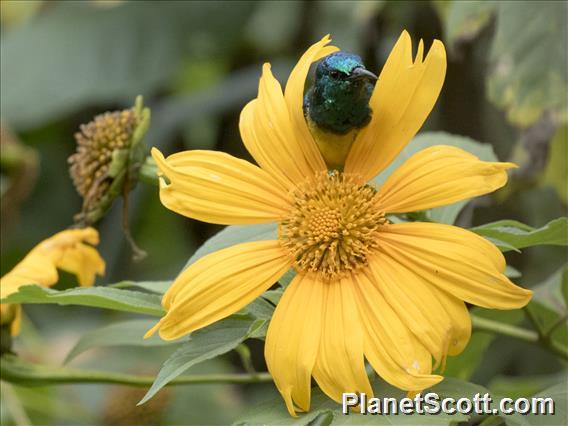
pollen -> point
(332, 226)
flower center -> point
(332, 226)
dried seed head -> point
(103, 166)
(96, 141)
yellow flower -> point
(365, 288)
(65, 250)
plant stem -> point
(244, 354)
(533, 320)
(555, 325)
(20, 372)
(484, 324)
(558, 349)
(149, 172)
(14, 406)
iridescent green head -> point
(339, 99)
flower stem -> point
(484, 324)
(532, 319)
(149, 172)
(244, 354)
(20, 372)
(555, 325)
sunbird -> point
(336, 107)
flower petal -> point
(85, 262)
(218, 188)
(33, 269)
(440, 175)
(65, 250)
(293, 340)
(393, 351)
(220, 284)
(294, 95)
(11, 314)
(39, 266)
(456, 261)
(414, 303)
(271, 137)
(457, 311)
(340, 363)
(403, 97)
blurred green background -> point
(197, 64)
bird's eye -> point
(334, 74)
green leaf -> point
(549, 292)
(511, 272)
(273, 412)
(125, 333)
(232, 235)
(260, 308)
(559, 394)
(325, 410)
(456, 388)
(529, 72)
(466, 18)
(518, 235)
(445, 214)
(45, 73)
(273, 295)
(556, 171)
(209, 342)
(287, 277)
(97, 297)
(524, 386)
(548, 306)
(158, 287)
(464, 365)
(502, 245)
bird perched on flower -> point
(365, 288)
(337, 105)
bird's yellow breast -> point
(333, 147)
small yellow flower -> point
(69, 250)
(365, 288)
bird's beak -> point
(360, 73)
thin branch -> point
(244, 354)
(484, 324)
(19, 372)
(530, 336)
(533, 320)
(555, 325)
